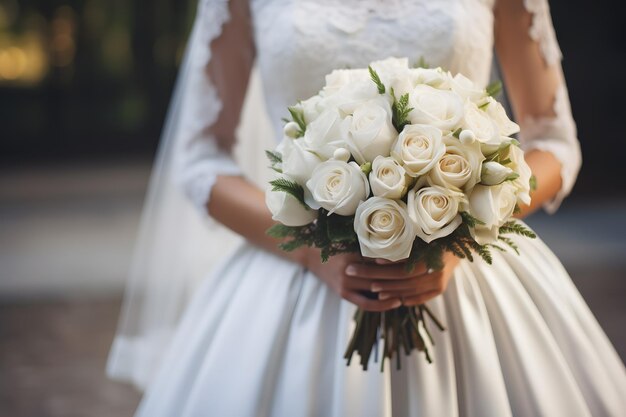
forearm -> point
(240, 206)
(547, 171)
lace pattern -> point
(558, 136)
(201, 160)
(542, 31)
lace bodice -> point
(306, 39)
(297, 42)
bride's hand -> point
(350, 276)
(392, 281)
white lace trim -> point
(542, 31)
(558, 136)
(214, 14)
(202, 160)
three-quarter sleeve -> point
(532, 47)
(220, 60)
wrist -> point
(306, 256)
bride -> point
(265, 335)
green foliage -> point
(494, 88)
(470, 220)
(509, 242)
(457, 133)
(376, 79)
(289, 187)
(297, 116)
(275, 159)
(533, 183)
(517, 228)
(332, 234)
(422, 63)
(400, 110)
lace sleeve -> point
(528, 49)
(220, 62)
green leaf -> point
(274, 157)
(292, 245)
(400, 110)
(516, 228)
(470, 220)
(510, 243)
(279, 230)
(422, 63)
(457, 133)
(376, 79)
(366, 168)
(494, 88)
(533, 183)
(298, 116)
(289, 187)
(484, 105)
(340, 228)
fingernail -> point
(376, 288)
(396, 304)
(351, 271)
(384, 296)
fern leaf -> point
(376, 79)
(289, 187)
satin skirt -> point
(265, 337)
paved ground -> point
(66, 238)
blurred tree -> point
(109, 67)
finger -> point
(356, 283)
(400, 284)
(419, 299)
(381, 261)
(370, 304)
(416, 285)
(396, 271)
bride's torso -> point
(299, 41)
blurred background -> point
(84, 89)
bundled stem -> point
(403, 328)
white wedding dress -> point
(264, 337)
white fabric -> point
(263, 337)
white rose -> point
(287, 210)
(496, 111)
(311, 108)
(342, 77)
(466, 88)
(370, 130)
(519, 166)
(298, 162)
(326, 133)
(440, 108)
(434, 211)
(347, 98)
(484, 128)
(387, 178)
(493, 205)
(494, 173)
(384, 229)
(338, 187)
(390, 65)
(418, 148)
(460, 166)
(394, 73)
(434, 77)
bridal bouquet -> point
(402, 164)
